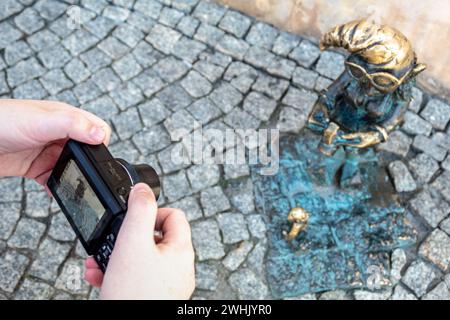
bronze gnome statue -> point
(368, 100)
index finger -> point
(174, 226)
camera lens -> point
(142, 173)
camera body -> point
(92, 188)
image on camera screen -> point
(79, 200)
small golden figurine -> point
(299, 217)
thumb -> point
(141, 216)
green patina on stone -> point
(350, 231)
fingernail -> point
(97, 133)
(141, 188)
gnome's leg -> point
(350, 171)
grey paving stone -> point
(71, 278)
(330, 64)
(149, 83)
(66, 96)
(440, 292)
(281, 68)
(206, 240)
(113, 47)
(436, 248)
(206, 276)
(60, 228)
(403, 180)
(55, 81)
(419, 276)
(152, 112)
(8, 8)
(248, 285)
(116, 13)
(262, 34)
(61, 28)
(190, 207)
(17, 51)
(400, 293)
(240, 119)
(3, 84)
(398, 143)
(196, 85)
(50, 9)
(79, 41)
(23, 71)
(94, 6)
(237, 256)
(140, 21)
(126, 150)
(416, 125)
(145, 55)
(241, 76)
(235, 23)
(150, 8)
(174, 158)
(446, 163)
(209, 34)
(10, 189)
(100, 26)
(38, 204)
(188, 50)
(259, 57)
(184, 5)
(300, 99)
(233, 47)
(30, 90)
(126, 95)
(398, 262)
(86, 91)
(305, 77)
(188, 25)
(170, 69)
(233, 227)
(445, 225)
(437, 113)
(209, 12)
(241, 196)
(202, 176)
(34, 290)
(423, 167)
(226, 97)
(305, 54)
(128, 35)
(9, 215)
(61, 295)
(9, 34)
(213, 200)
(372, 295)
(12, 267)
(163, 38)
(235, 170)
(106, 80)
(256, 225)
(95, 59)
(429, 147)
(334, 295)
(103, 107)
(127, 67)
(27, 235)
(431, 208)
(29, 21)
(442, 140)
(174, 97)
(176, 186)
(322, 83)
(204, 110)
(271, 86)
(170, 17)
(151, 139)
(285, 43)
(416, 101)
(76, 71)
(259, 105)
(179, 124)
(442, 184)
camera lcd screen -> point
(80, 200)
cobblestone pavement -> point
(151, 66)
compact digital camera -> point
(92, 189)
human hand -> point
(33, 133)
(140, 267)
